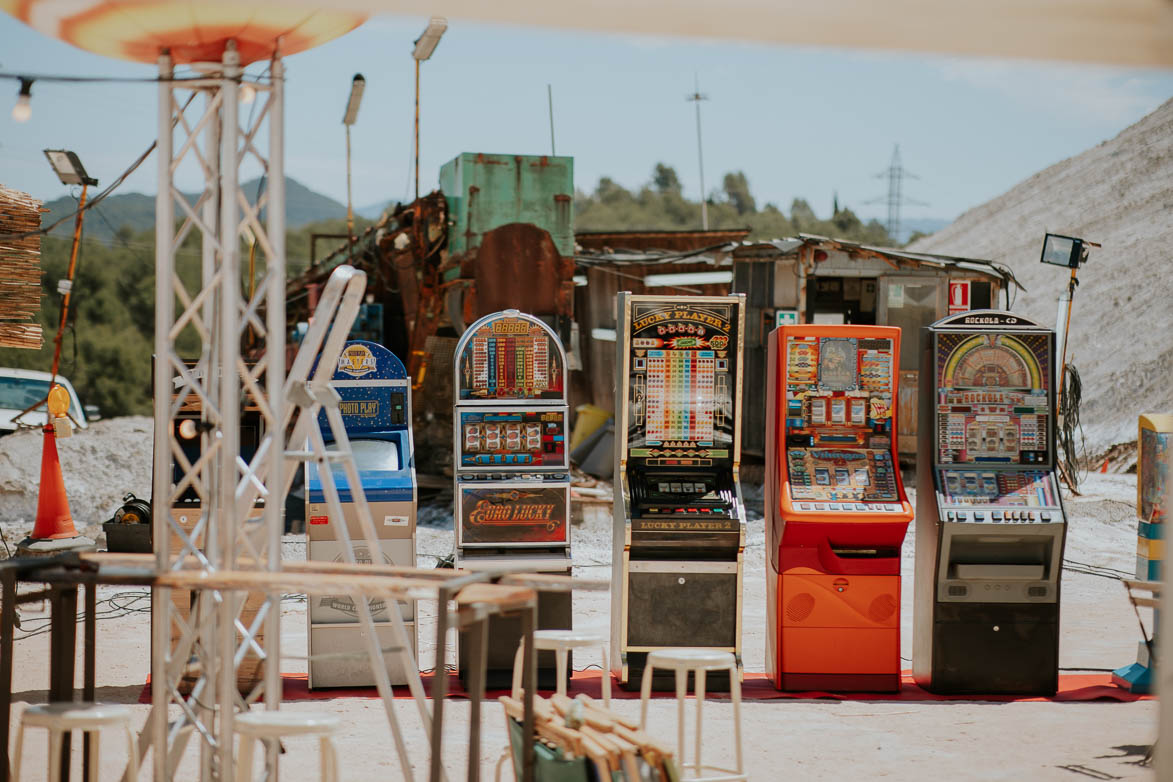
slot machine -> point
(679, 531)
(990, 524)
(375, 403)
(512, 472)
(1153, 439)
(836, 508)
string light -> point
(23, 108)
(248, 93)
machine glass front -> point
(993, 401)
(838, 419)
(512, 438)
(510, 357)
(373, 454)
(682, 377)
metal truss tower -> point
(211, 314)
(895, 174)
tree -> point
(665, 179)
(737, 190)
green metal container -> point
(487, 191)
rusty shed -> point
(814, 279)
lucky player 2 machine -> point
(376, 410)
(836, 508)
(990, 525)
(512, 476)
(679, 532)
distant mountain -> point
(136, 210)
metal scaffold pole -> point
(197, 654)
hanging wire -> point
(1070, 398)
(44, 230)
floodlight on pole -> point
(426, 43)
(357, 85)
(24, 107)
(424, 46)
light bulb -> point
(248, 93)
(23, 109)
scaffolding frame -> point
(217, 314)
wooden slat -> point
(20, 270)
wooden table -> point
(475, 597)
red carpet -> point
(756, 687)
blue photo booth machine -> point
(376, 410)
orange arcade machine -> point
(836, 509)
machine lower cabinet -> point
(554, 613)
(996, 648)
(679, 607)
(840, 633)
(351, 667)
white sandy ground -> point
(1118, 193)
(784, 739)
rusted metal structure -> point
(814, 279)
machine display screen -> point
(839, 397)
(993, 403)
(374, 454)
(513, 438)
(510, 358)
(682, 378)
(1003, 488)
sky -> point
(800, 122)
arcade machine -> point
(376, 411)
(836, 507)
(1154, 438)
(512, 476)
(990, 525)
(679, 532)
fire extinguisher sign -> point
(958, 296)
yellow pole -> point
(81, 207)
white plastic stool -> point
(256, 725)
(58, 718)
(560, 642)
(699, 662)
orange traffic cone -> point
(53, 530)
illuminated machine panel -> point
(679, 529)
(510, 357)
(839, 397)
(518, 438)
(993, 404)
(990, 536)
(837, 509)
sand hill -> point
(1119, 193)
